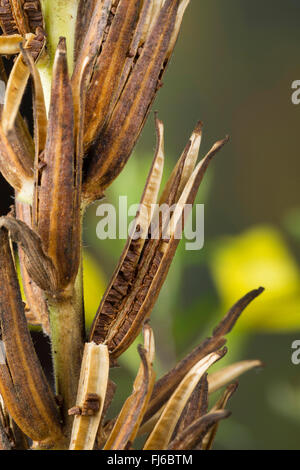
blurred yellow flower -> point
(94, 285)
(259, 255)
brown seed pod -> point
(145, 63)
(7, 20)
(57, 191)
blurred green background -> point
(233, 68)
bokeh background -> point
(233, 68)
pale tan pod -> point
(40, 112)
(162, 432)
(10, 45)
(93, 380)
(181, 11)
(230, 373)
(190, 156)
(131, 415)
(16, 85)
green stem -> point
(67, 339)
(67, 324)
(60, 21)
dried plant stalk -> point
(95, 69)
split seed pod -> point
(148, 253)
(129, 44)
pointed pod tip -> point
(220, 143)
(141, 350)
(216, 148)
(199, 128)
(260, 364)
(222, 352)
(158, 122)
(62, 45)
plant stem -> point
(60, 21)
(67, 339)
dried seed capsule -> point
(124, 275)
(141, 78)
(108, 68)
(20, 16)
(7, 20)
(57, 212)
